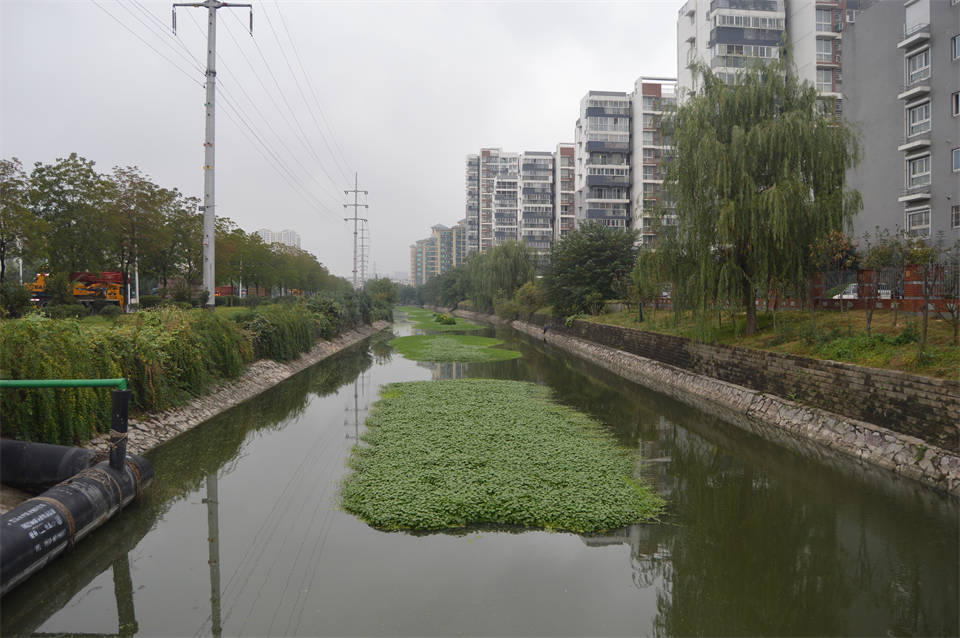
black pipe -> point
(43, 527)
(35, 467)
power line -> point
(139, 37)
(316, 100)
(300, 89)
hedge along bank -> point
(770, 416)
(169, 356)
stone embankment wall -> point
(922, 407)
(773, 416)
(154, 429)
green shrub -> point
(111, 310)
(909, 334)
(150, 301)
(282, 332)
(65, 311)
(14, 300)
(228, 300)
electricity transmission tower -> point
(364, 251)
(355, 205)
(209, 216)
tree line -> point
(67, 217)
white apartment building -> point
(286, 237)
(602, 159)
(729, 35)
(650, 153)
(536, 200)
(564, 180)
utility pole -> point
(209, 214)
(356, 205)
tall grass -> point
(168, 355)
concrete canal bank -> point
(151, 430)
(918, 438)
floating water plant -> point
(445, 347)
(435, 321)
(446, 454)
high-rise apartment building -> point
(536, 201)
(727, 35)
(564, 189)
(499, 197)
(472, 208)
(621, 153)
(424, 260)
(903, 93)
(650, 152)
(602, 159)
(286, 237)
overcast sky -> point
(403, 91)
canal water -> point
(241, 534)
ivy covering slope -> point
(447, 454)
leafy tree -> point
(591, 264)
(879, 253)
(925, 256)
(68, 197)
(758, 174)
(20, 230)
(382, 290)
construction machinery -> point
(92, 290)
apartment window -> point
(918, 119)
(955, 104)
(918, 223)
(824, 20)
(955, 155)
(824, 50)
(825, 80)
(955, 47)
(918, 171)
(918, 66)
(955, 216)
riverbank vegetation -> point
(435, 321)
(460, 348)
(448, 454)
(168, 355)
(891, 344)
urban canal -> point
(240, 533)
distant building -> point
(536, 195)
(286, 237)
(620, 156)
(564, 180)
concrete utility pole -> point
(209, 215)
(356, 191)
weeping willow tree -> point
(758, 176)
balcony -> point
(608, 147)
(915, 194)
(917, 88)
(916, 142)
(608, 180)
(914, 35)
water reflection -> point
(756, 539)
(196, 458)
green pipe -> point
(120, 384)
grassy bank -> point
(463, 348)
(828, 335)
(446, 454)
(168, 356)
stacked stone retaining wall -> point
(922, 407)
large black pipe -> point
(35, 467)
(43, 527)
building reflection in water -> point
(445, 370)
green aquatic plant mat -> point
(424, 320)
(463, 348)
(447, 454)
